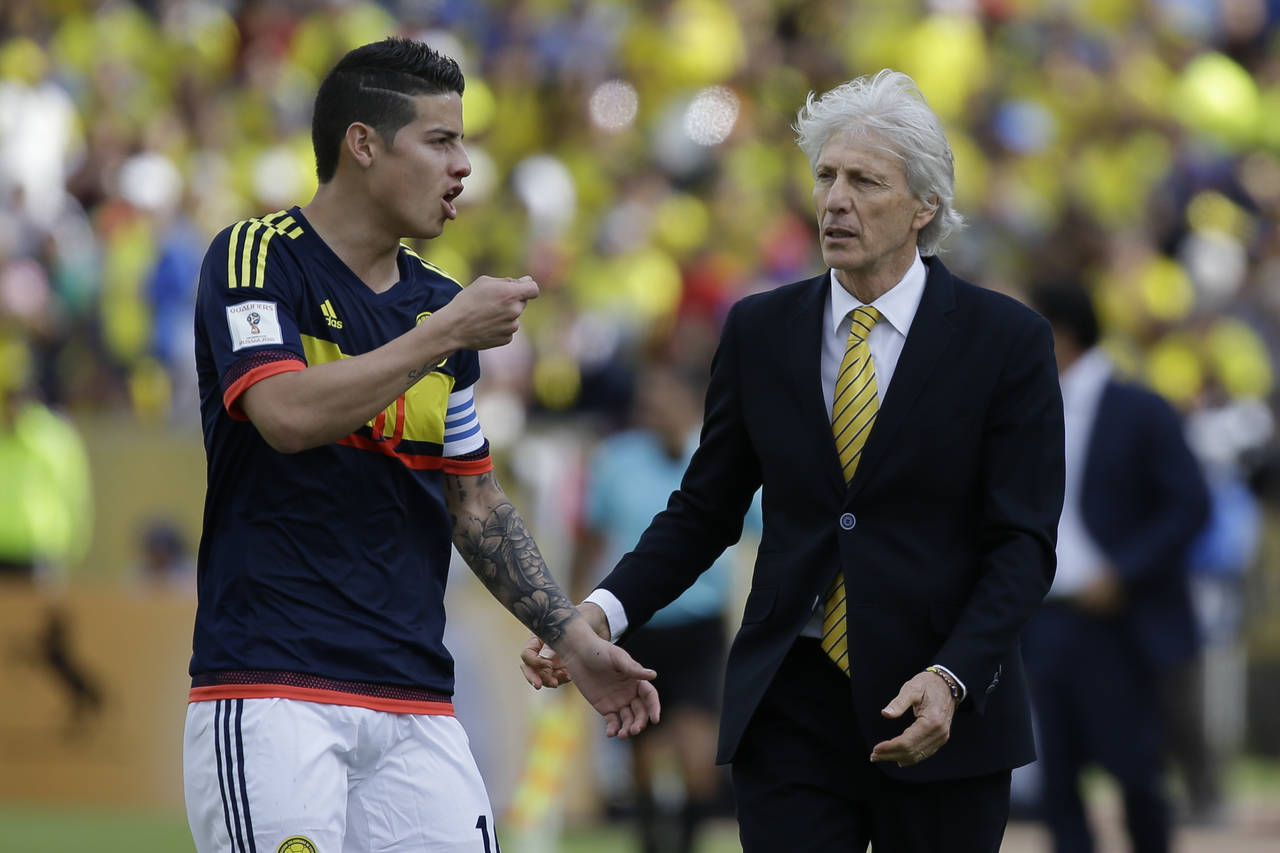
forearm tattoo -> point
(418, 372)
(502, 553)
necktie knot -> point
(863, 319)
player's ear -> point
(361, 142)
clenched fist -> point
(487, 312)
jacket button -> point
(847, 521)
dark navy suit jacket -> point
(945, 536)
(1144, 500)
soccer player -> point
(337, 371)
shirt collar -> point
(898, 304)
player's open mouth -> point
(832, 232)
(447, 200)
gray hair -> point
(892, 106)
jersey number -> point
(482, 824)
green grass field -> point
(1254, 784)
(45, 829)
(50, 830)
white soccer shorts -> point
(288, 776)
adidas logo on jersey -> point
(330, 316)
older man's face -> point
(867, 217)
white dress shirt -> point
(1080, 561)
(897, 306)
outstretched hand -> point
(616, 686)
(542, 667)
(929, 697)
(610, 679)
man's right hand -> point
(487, 312)
(620, 689)
(542, 667)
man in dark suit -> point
(906, 428)
(1118, 618)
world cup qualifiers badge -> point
(253, 324)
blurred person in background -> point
(630, 476)
(46, 505)
(337, 372)
(906, 428)
(1206, 699)
(1118, 619)
(165, 564)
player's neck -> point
(355, 237)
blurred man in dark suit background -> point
(1118, 617)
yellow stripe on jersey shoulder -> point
(231, 254)
(426, 263)
(247, 263)
(284, 224)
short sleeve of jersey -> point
(249, 287)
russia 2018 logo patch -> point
(297, 844)
(253, 324)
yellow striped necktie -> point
(853, 411)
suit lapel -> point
(928, 337)
(802, 369)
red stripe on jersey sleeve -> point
(231, 397)
(466, 466)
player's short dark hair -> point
(373, 84)
(1067, 305)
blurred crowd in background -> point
(638, 160)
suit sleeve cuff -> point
(963, 690)
(612, 607)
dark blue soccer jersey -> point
(322, 573)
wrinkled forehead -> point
(859, 142)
